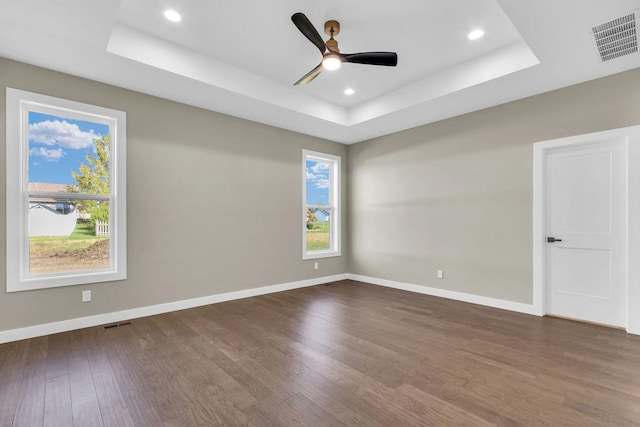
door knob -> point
(553, 239)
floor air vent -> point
(617, 38)
(115, 325)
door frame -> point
(540, 150)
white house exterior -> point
(322, 215)
(46, 221)
(49, 217)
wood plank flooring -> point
(347, 353)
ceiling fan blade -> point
(310, 75)
(306, 27)
(371, 58)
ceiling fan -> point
(331, 56)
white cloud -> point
(318, 175)
(49, 155)
(61, 133)
(320, 168)
(322, 183)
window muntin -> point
(65, 169)
(321, 225)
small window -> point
(321, 210)
(65, 186)
(64, 208)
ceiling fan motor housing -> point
(332, 28)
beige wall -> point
(213, 204)
(454, 195)
(457, 195)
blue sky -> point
(58, 145)
(317, 183)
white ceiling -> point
(242, 57)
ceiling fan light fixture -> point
(331, 62)
(331, 56)
(172, 15)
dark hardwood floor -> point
(347, 353)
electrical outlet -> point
(440, 274)
(315, 265)
(86, 296)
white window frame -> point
(335, 229)
(18, 105)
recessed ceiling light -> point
(172, 15)
(349, 91)
(475, 34)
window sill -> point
(321, 254)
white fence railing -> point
(102, 228)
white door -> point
(586, 225)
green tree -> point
(311, 217)
(93, 178)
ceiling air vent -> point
(617, 38)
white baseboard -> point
(443, 293)
(134, 313)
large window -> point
(320, 210)
(66, 193)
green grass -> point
(318, 237)
(82, 237)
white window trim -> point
(18, 103)
(334, 204)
